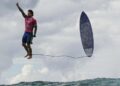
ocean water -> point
(90, 82)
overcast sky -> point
(58, 34)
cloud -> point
(9, 7)
(27, 69)
(28, 73)
(57, 9)
(58, 34)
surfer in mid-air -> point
(30, 30)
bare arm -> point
(35, 31)
(20, 9)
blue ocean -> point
(89, 82)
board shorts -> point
(27, 38)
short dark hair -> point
(31, 12)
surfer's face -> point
(30, 14)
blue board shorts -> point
(27, 38)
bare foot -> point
(30, 56)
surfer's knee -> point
(29, 46)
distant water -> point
(93, 82)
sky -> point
(58, 34)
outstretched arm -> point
(20, 9)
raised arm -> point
(20, 9)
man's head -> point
(30, 13)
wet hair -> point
(31, 12)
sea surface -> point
(89, 82)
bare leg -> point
(29, 51)
(25, 47)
